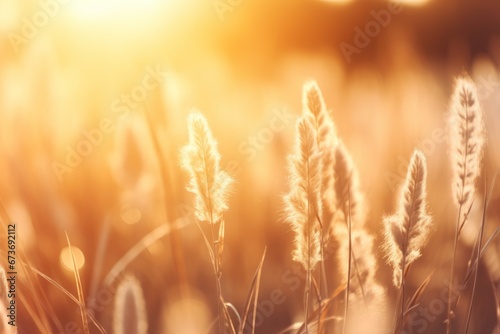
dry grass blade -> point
(253, 293)
(79, 289)
(72, 297)
(228, 321)
(326, 303)
(413, 302)
(478, 257)
(473, 266)
(231, 307)
(139, 247)
(41, 306)
(209, 248)
(39, 314)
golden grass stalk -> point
(303, 202)
(349, 217)
(326, 137)
(348, 198)
(79, 289)
(406, 231)
(201, 159)
(211, 186)
(130, 315)
(365, 265)
(467, 145)
(313, 103)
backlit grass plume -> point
(406, 231)
(130, 316)
(466, 145)
(201, 159)
(468, 139)
(349, 201)
(313, 104)
(348, 219)
(302, 203)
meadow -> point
(175, 167)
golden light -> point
(67, 260)
(130, 215)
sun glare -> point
(67, 260)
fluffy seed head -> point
(468, 140)
(313, 104)
(349, 201)
(406, 231)
(303, 203)
(201, 159)
(130, 316)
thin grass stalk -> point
(478, 257)
(303, 203)
(79, 289)
(222, 320)
(349, 232)
(452, 271)
(175, 244)
(467, 146)
(407, 229)
(201, 159)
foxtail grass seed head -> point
(312, 99)
(313, 104)
(130, 316)
(467, 140)
(303, 203)
(349, 201)
(406, 231)
(201, 159)
(363, 259)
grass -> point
(325, 207)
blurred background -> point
(93, 100)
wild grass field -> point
(249, 167)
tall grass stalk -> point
(467, 144)
(303, 202)
(406, 231)
(211, 186)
